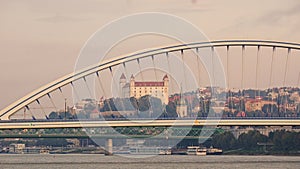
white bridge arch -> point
(7, 112)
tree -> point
(270, 108)
(171, 110)
(285, 140)
(225, 141)
(55, 142)
(53, 115)
(249, 140)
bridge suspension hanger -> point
(271, 74)
(75, 91)
(153, 62)
(140, 69)
(257, 68)
(100, 84)
(169, 70)
(52, 102)
(87, 86)
(37, 100)
(285, 74)
(198, 67)
(184, 67)
(27, 107)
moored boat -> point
(214, 151)
(196, 150)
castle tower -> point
(122, 85)
(132, 86)
(165, 91)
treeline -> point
(277, 142)
(145, 106)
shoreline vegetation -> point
(279, 142)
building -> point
(256, 104)
(138, 89)
(16, 148)
(181, 107)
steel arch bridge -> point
(45, 90)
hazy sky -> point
(41, 39)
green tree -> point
(225, 141)
(249, 140)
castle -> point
(138, 89)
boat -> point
(144, 150)
(214, 151)
(165, 152)
(196, 150)
(44, 151)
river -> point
(73, 161)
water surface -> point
(73, 161)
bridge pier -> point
(109, 147)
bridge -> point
(149, 123)
(211, 60)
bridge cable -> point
(242, 80)
(184, 67)
(227, 64)
(213, 67)
(198, 66)
(52, 102)
(155, 72)
(75, 91)
(286, 66)
(37, 100)
(100, 84)
(118, 88)
(101, 87)
(87, 86)
(271, 74)
(138, 61)
(257, 68)
(285, 74)
(169, 70)
(61, 93)
(126, 71)
(127, 75)
(27, 107)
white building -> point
(138, 89)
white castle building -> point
(138, 89)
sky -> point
(40, 40)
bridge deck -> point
(152, 123)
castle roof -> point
(122, 76)
(165, 77)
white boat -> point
(214, 151)
(165, 152)
(196, 150)
(144, 150)
(44, 151)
